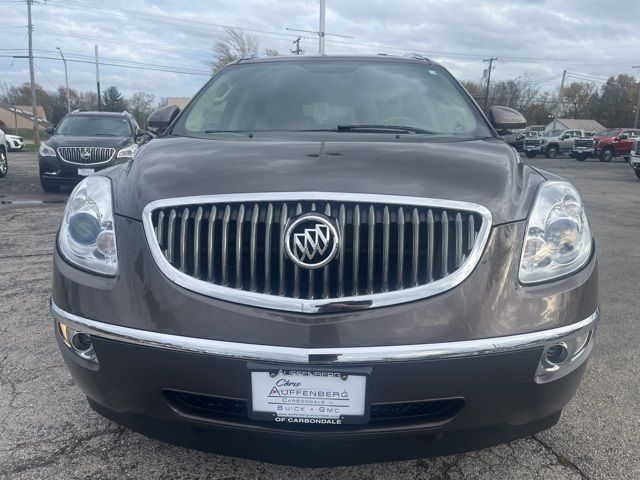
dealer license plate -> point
(86, 171)
(298, 396)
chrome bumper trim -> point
(344, 355)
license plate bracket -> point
(298, 386)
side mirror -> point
(141, 137)
(505, 118)
(162, 117)
(50, 130)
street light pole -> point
(32, 79)
(66, 79)
(635, 121)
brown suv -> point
(325, 261)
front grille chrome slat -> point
(183, 239)
(400, 263)
(267, 249)
(239, 246)
(355, 267)
(211, 235)
(197, 224)
(386, 222)
(86, 155)
(234, 243)
(225, 245)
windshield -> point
(341, 96)
(552, 133)
(91, 125)
(609, 133)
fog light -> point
(557, 354)
(79, 343)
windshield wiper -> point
(383, 128)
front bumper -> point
(478, 345)
(584, 150)
(493, 394)
(634, 161)
(56, 171)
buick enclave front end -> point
(326, 261)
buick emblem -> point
(311, 240)
(85, 153)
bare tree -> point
(140, 106)
(233, 46)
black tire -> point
(4, 163)
(637, 174)
(551, 151)
(531, 154)
(48, 186)
(607, 155)
(581, 157)
(626, 159)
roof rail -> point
(417, 56)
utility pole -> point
(98, 81)
(297, 50)
(66, 79)
(557, 112)
(635, 121)
(321, 32)
(486, 95)
(32, 77)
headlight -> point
(558, 239)
(46, 150)
(87, 236)
(128, 152)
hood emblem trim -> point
(311, 240)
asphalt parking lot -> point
(48, 431)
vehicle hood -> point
(95, 141)
(485, 172)
(12, 137)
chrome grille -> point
(232, 247)
(584, 142)
(86, 155)
(533, 142)
(638, 148)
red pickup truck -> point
(615, 142)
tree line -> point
(612, 104)
(54, 102)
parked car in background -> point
(14, 143)
(553, 143)
(539, 129)
(614, 143)
(517, 139)
(634, 156)
(84, 143)
(327, 260)
(4, 162)
(583, 147)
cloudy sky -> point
(166, 44)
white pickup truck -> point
(553, 143)
(3, 155)
(634, 157)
